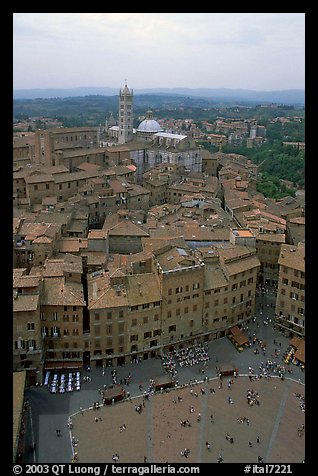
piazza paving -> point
(156, 432)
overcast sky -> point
(259, 51)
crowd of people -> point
(252, 397)
(266, 290)
(184, 357)
(301, 399)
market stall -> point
(238, 338)
(164, 382)
(112, 395)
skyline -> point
(256, 51)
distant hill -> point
(288, 96)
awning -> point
(72, 365)
(115, 393)
(58, 365)
(53, 365)
(164, 382)
(235, 330)
(239, 336)
(300, 352)
(299, 344)
(228, 369)
(295, 341)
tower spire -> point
(125, 114)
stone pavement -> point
(157, 434)
(51, 412)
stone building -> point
(210, 162)
(268, 246)
(26, 329)
(168, 296)
(48, 143)
(34, 242)
(295, 230)
(149, 145)
(290, 302)
(23, 149)
(125, 237)
(230, 285)
(62, 303)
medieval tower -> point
(125, 133)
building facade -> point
(26, 329)
(49, 142)
(169, 298)
(290, 302)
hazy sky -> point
(259, 51)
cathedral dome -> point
(149, 125)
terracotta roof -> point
(70, 177)
(33, 230)
(26, 302)
(273, 217)
(95, 257)
(54, 169)
(57, 217)
(36, 178)
(242, 265)
(297, 220)
(25, 281)
(67, 130)
(17, 272)
(58, 292)
(176, 258)
(292, 257)
(117, 186)
(127, 228)
(96, 234)
(77, 225)
(243, 233)
(214, 277)
(274, 237)
(237, 203)
(204, 233)
(117, 273)
(72, 263)
(42, 239)
(135, 190)
(71, 245)
(234, 252)
(88, 166)
(143, 288)
(102, 295)
(54, 268)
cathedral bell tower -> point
(125, 133)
